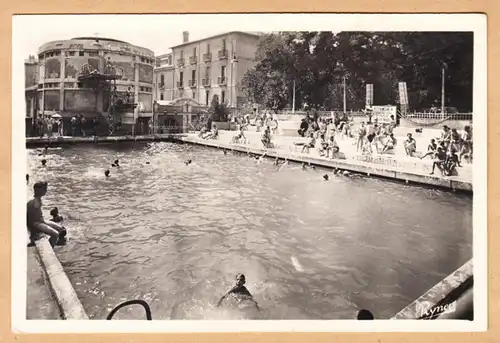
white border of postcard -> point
(265, 22)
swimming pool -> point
(176, 235)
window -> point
(81, 53)
(207, 73)
(93, 53)
(161, 96)
(207, 96)
(71, 53)
(193, 75)
(169, 59)
(194, 51)
(162, 79)
(223, 71)
(182, 54)
(222, 97)
(79, 84)
(181, 78)
(194, 95)
(224, 44)
(208, 48)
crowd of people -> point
(54, 126)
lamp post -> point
(155, 117)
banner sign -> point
(383, 113)
(369, 95)
(403, 94)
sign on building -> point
(369, 95)
(403, 94)
(383, 113)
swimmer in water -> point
(325, 177)
(239, 291)
(106, 172)
(27, 178)
(44, 162)
(224, 151)
(56, 218)
(188, 162)
(115, 164)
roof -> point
(215, 36)
(99, 39)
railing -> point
(222, 54)
(206, 82)
(180, 62)
(180, 84)
(222, 81)
(192, 83)
(207, 57)
(438, 116)
(193, 59)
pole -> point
(293, 100)
(442, 92)
(345, 98)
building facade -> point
(200, 69)
(60, 87)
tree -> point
(218, 112)
(318, 62)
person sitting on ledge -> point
(440, 159)
(410, 145)
(203, 131)
(311, 143)
(333, 147)
(431, 149)
(390, 144)
(35, 221)
(212, 135)
(365, 315)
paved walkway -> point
(40, 303)
(397, 161)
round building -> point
(85, 75)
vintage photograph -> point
(240, 169)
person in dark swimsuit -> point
(240, 291)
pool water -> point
(176, 235)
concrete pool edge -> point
(444, 295)
(359, 167)
(61, 288)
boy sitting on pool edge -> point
(239, 291)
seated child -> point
(56, 218)
(431, 149)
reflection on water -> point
(176, 235)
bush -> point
(219, 112)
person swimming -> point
(115, 163)
(239, 292)
(106, 172)
(224, 151)
(44, 162)
(325, 177)
(188, 162)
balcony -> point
(192, 83)
(180, 85)
(222, 81)
(180, 62)
(193, 59)
(223, 54)
(161, 85)
(206, 82)
(207, 58)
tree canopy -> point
(319, 61)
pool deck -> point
(395, 167)
(40, 304)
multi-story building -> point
(72, 78)
(200, 69)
